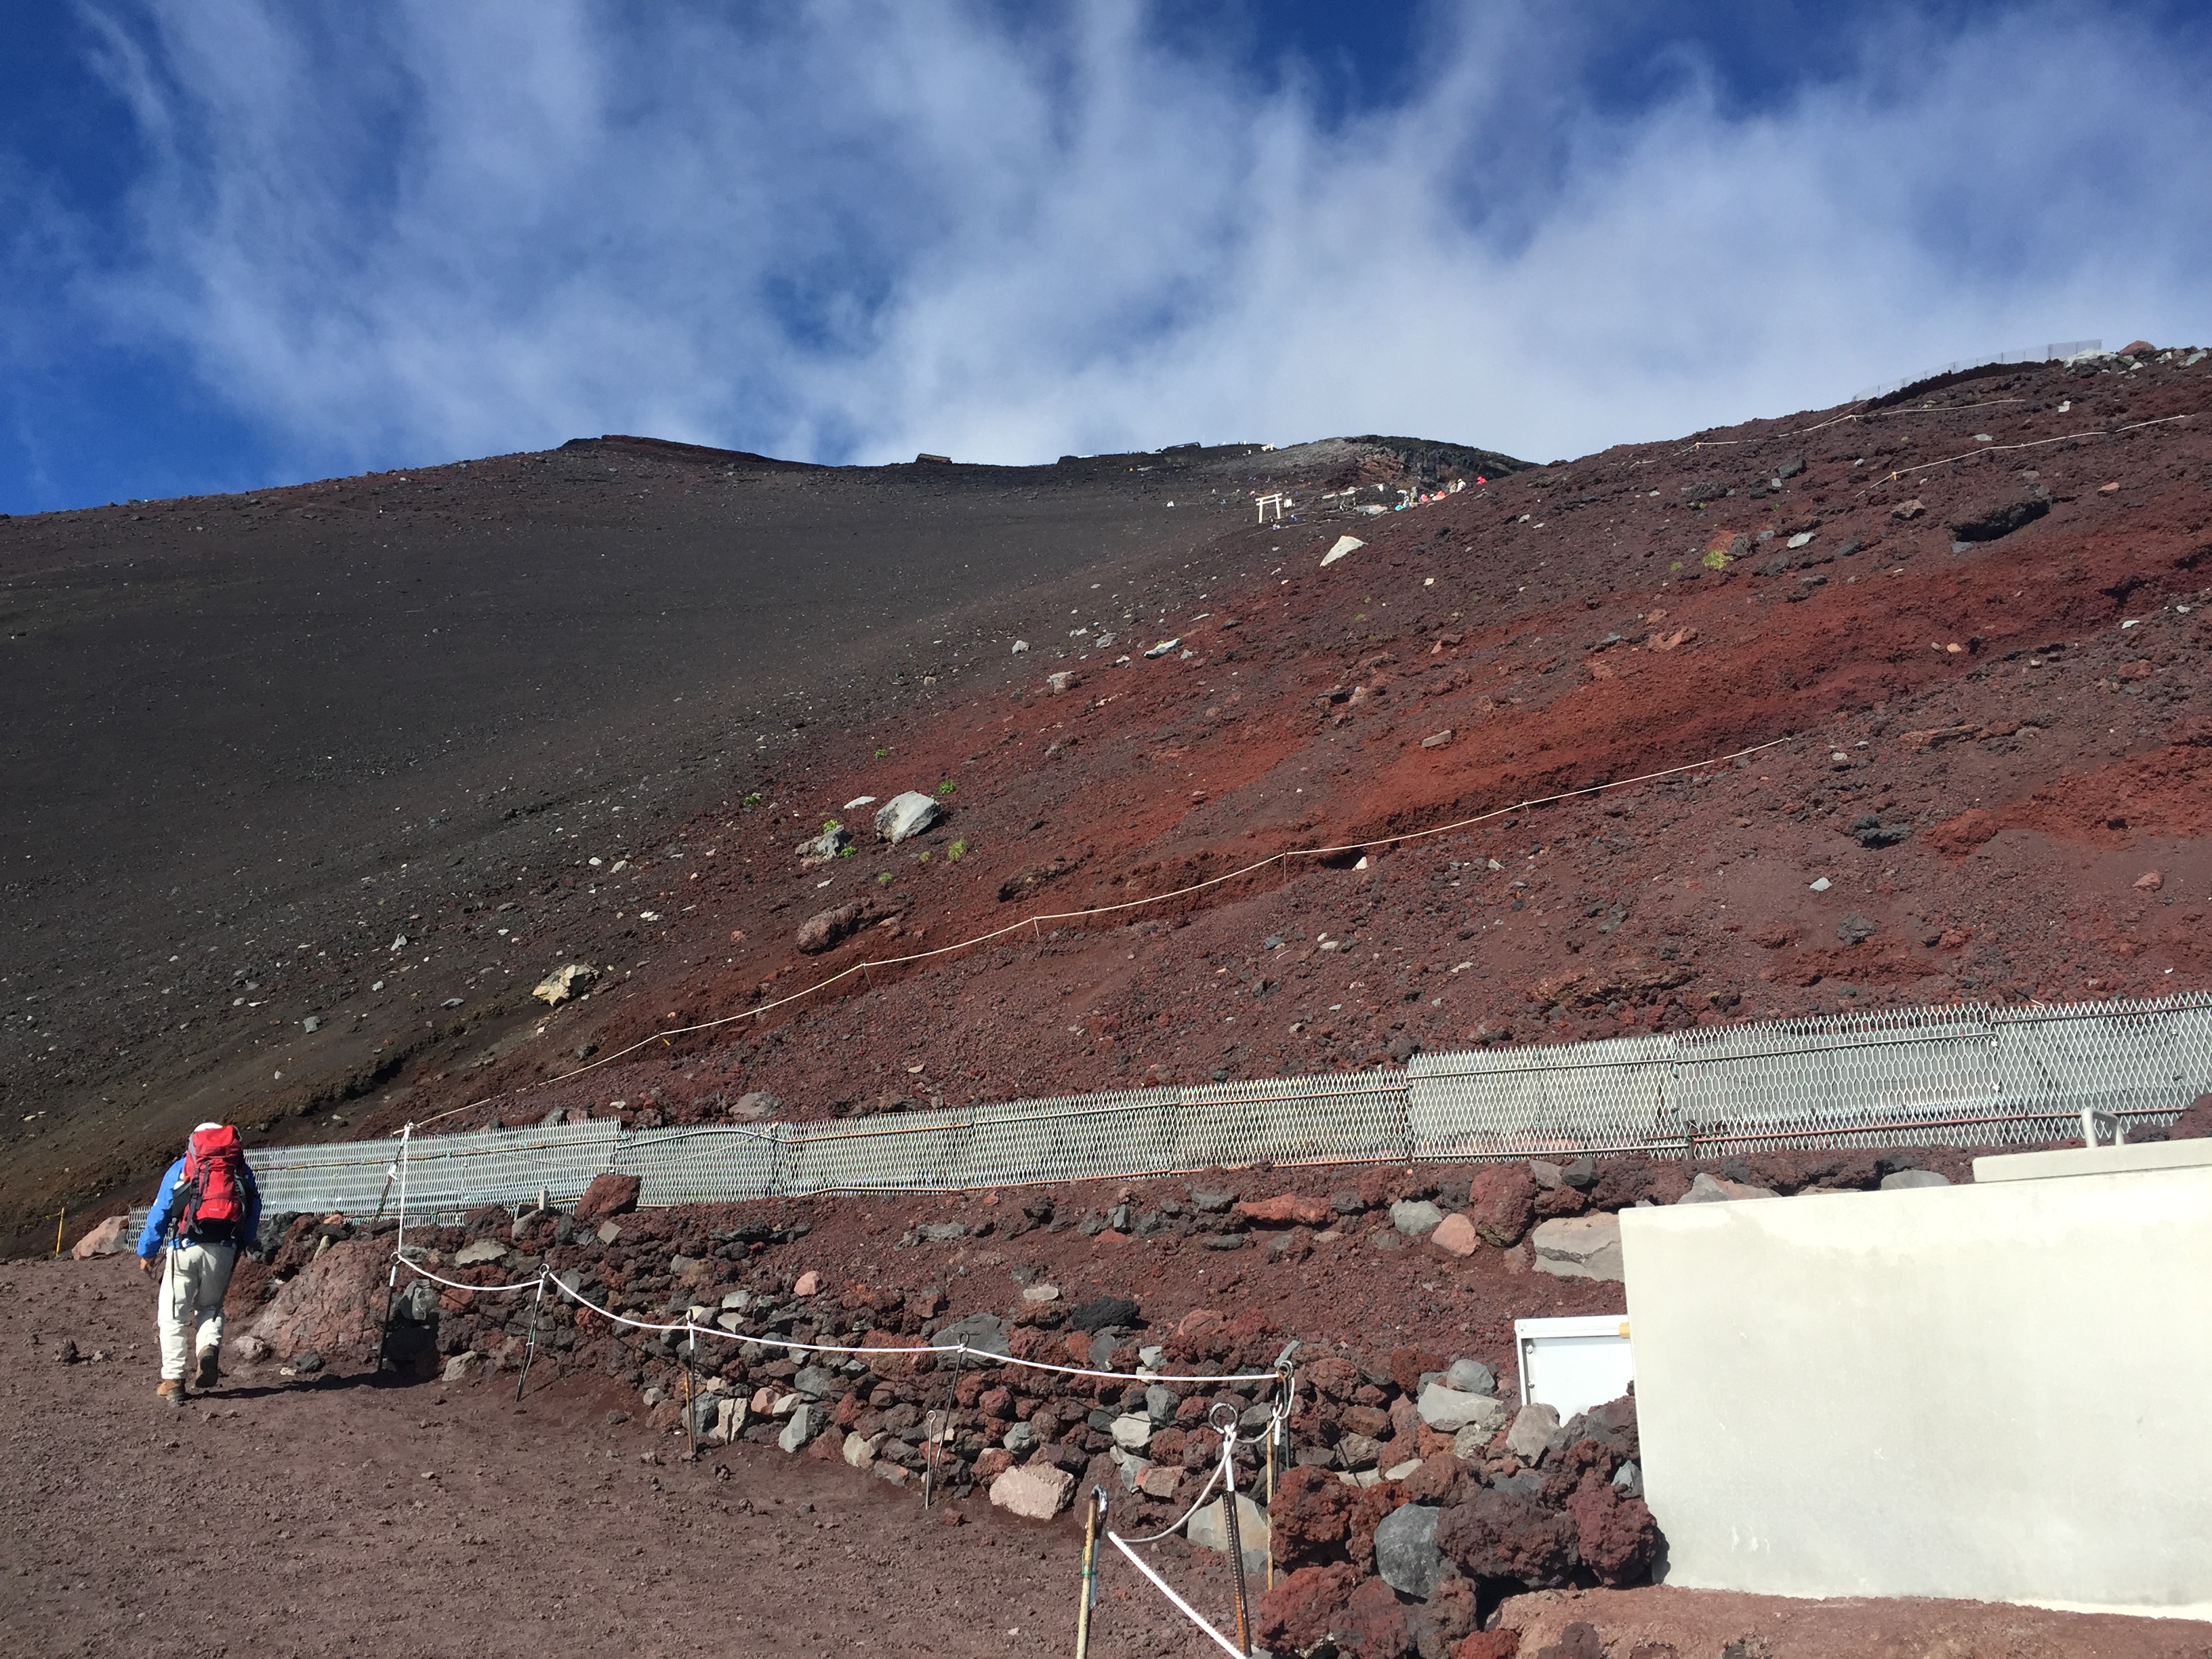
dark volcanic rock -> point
(1496, 1535)
(1311, 1515)
(1372, 1624)
(1501, 1202)
(609, 1195)
(1993, 522)
(1102, 1311)
(1614, 1533)
(1301, 1609)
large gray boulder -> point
(981, 1333)
(1209, 1529)
(1531, 1431)
(1416, 1218)
(1406, 1553)
(1449, 1410)
(1579, 1247)
(1904, 1180)
(1471, 1376)
(798, 1429)
(834, 839)
(907, 814)
(1712, 1189)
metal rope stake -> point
(1229, 1517)
(1279, 1440)
(398, 1249)
(530, 1352)
(1094, 1514)
(691, 1386)
(940, 1431)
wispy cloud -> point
(848, 232)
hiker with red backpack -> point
(207, 1210)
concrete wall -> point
(2001, 1392)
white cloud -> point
(420, 232)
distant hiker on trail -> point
(208, 1208)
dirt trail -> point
(282, 1515)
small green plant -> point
(831, 826)
(847, 852)
(1362, 616)
(946, 786)
(955, 853)
(1715, 560)
(883, 878)
(753, 799)
(883, 753)
(1673, 568)
(923, 855)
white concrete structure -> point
(1995, 1391)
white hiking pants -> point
(194, 1277)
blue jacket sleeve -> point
(251, 1230)
(157, 1219)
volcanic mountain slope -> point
(1961, 636)
(254, 741)
(1994, 783)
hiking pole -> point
(60, 1221)
(529, 1350)
(1228, 1518)
(1094, 1512)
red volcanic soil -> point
(1979, 678)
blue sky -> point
(244, 242)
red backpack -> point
(211, 1191)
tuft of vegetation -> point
(753, 799)
(883, 878)
(955, 853)
(945, 786)
(1715, 560)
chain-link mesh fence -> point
(1908, 1077)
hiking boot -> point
(210, 1371)
(172, 1391)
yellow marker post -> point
(1093, 1512)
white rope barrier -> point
(1225, 1474)
(1168, 1590)
(665, 1328)
(1034, 923)
(2033, 443)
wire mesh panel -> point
(2141, 1061)
(348, 1178)
(448, 1174)
(723, 1165)
(1612, 1095)
(1347, 1118)
(1902, 1076)
(904, 1151)
(1070, 1137)
(1969, 1075)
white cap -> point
(198, 1126)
